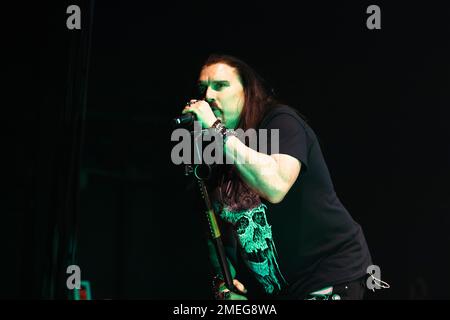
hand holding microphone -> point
(186, 118)
(197, 110)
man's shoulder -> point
(282, 110)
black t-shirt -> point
(318, 242)
(305, 242)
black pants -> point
(352, 290)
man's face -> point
(223, 90)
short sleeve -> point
(292, 135)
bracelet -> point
(215, 123)
(219, 127)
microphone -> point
(184, 119)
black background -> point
(377, 99)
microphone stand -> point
(214, 230)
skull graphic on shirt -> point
(240, 206)
(253, 230)
(255, 238)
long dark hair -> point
(259, 97)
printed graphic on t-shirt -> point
(255, 237)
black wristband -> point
(215, 123)
(219, 127)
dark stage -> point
(90, 181)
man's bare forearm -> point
(258, 170)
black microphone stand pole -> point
(214, 230)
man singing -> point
(279, 214)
